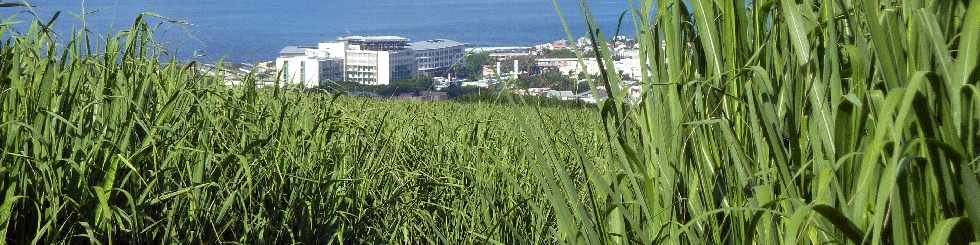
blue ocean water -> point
(254, 30)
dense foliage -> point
(117, 147)
(787, 122)
(396, 87)
(552, 79)
(762, 122)
(507, 98)
(472, 65)
(558, 53)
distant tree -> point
(457, 91)
(526, 64)
(416, 84)
(472, 64)
(508, 99)
(558, 53)
(554, 80)
(413, 85)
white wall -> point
(293, 73)
(384, 68)
(361, 58)
(334, 50)
(629, 67)
(383, 63)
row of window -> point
(356, 68)
(356, 73)
(442, 52)
(440, 59)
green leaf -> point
(940, 234)
(970, 190)
(225, 205)
(170, 195)
(795, 224)
(6, 210)
(969, 50)
(798, 30)
(934, 33)
(704, 13)
(841, 222)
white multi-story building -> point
(364, 60)
(309, 66)
(371, 67)
(436, 57)
(378, 60)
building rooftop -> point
(498, 49)
(294, 50)
(434, 44)
(564, 59)
(562, 93)
(373, 38)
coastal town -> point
(440, 69)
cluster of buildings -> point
(632, 89)
(616, 44)
(625, 52)
(368, 60)
(628, 68)
(626, 63)
(379, 60)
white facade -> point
(371, 67)
(364, 60)
(298, 70)
(335, 50)
(378, 60)
(629, 53)
(570, 66)
(365, 67)
(629, 68)
(309, 66)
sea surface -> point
(254, 30)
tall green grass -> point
(110, 145)
(786, 122)
(762, 122)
